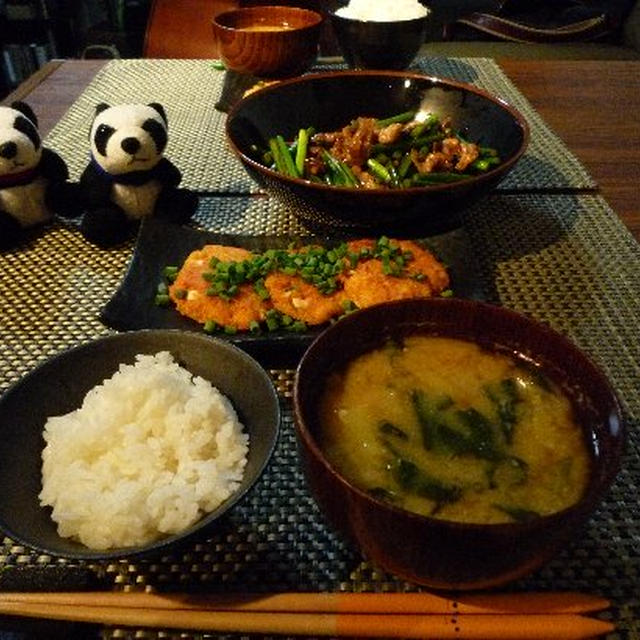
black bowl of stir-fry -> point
(371, 150)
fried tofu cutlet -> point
(364, 273)
(189, 291)
(291, 295)
(367, 283)
(425, 263)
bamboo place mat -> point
(189, 89)
(565, 260)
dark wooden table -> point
(592, 105)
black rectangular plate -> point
(159, 244)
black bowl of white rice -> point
(380, 35)
(132, 443)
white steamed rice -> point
(383, 10)
(150, 451)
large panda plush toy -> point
(128, 178)
(33, 179)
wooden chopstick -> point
(334, 602)
(498, 616)
(441, 626)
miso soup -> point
(445, 428)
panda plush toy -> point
(128, 178)
(33, 179)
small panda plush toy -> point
(33, 179)
(128, 178)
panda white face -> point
(128, 137)
(20, 144)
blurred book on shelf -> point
(20, 10)
(27, 40)
(35, 31)
(19, 61)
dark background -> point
(34, 31)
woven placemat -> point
(189, 89)
(567, 261)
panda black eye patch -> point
(157, 132)
(101, 138)
(25, 126)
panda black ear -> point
(100, 108)
(25, 110)
(160, 109)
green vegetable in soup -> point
(416, 480)
(387, 428)
(451, 430)
(382, 493)
(509, 471)
(413, 479)
(518, 514)
(481, 440)
(430, 415)
(505, 398)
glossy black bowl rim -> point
(158, 546)
(318, 18)
(481, 178)
(582, 508)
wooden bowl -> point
(268, 41)
(435, 552)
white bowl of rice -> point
(132, 443)
(380, 34)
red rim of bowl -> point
(317, 17)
